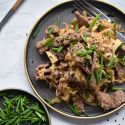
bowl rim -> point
(32, 95)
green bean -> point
(94, 21)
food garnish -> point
(19, 110)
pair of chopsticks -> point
(10, 13)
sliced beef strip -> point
(110, 101)
(66, 42)
(105, 100)
(66, 39)
(118, 98)
(70, 38)
(41, 48)
(60, 56)
(58, 41)
(74, 37)
(81, 19)
(120, 71)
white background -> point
(12, 41)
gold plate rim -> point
(37, 94)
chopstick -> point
(10, 13)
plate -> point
(32, 58)
(14, 92)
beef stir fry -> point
(84, 62)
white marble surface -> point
(12, 42)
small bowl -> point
(30, 96)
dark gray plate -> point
(32, 98)
(33, 58)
